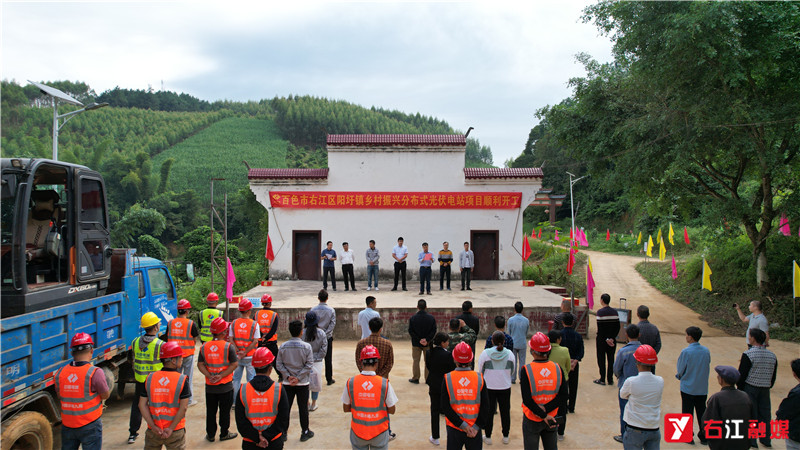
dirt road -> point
(597, 412)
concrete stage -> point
(292, 299)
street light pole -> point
(571, 203)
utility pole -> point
(219, 259)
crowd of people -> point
(467, 384)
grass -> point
(218, 152)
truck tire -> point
(28, 430)
(110, 376)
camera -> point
(735, 305)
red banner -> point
(395, 200)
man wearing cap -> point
(758, 368)
(145, 351)
(217, 360)
(370, 399)
(81, 387)
(464, 402)
(543, 388)
(208, 315)
(244, 334)
(164, 401)
(268, 326)
(643, 411)
(183, 331)
(262, 410)
(727, 410)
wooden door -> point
(306, 247)
(485, 247)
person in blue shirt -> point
(518, 329)
(624, 368)
(425, 259)
(694, 365)
(328, 256)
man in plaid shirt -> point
(758, 368)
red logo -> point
(678, 427)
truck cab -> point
(55, 235)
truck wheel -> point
(28, 430)
(110, 376)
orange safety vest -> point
(261, 408)
(180, 330)
(79, 405)
(369, 417)
(215, 355)
(544, 386)
(244, 332)
(265, 317)
(164, 397)
(464, 388)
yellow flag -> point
(639, 239)
(671, 235)
(658, 238)
(796, 279)
(662, 249)
(650, 246)
(706, 276)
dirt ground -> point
(596, 418)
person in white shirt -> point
(359, 390)
(496, 364)
(347, 266)
(643, 410)
(399, 253)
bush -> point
(548, 266)
(149, 246)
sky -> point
(487, 65)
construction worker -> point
(370, 399)
(268, 326)
(208, 315)
(82, 388)
(465, 402)
(145, 351)
(543, 390)
(164, 401)
(262, 409)
(217, 360)
(184, 332)
(244, 334)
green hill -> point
(218, 152)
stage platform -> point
(292, 299)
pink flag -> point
(230, 278)
(589, 285)
(674, 269)
(556, 238)
(582, 238)
(784, 225)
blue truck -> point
(60, 276)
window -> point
(159, 282)
(92, 209)
(142, 292)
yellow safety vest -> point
(206, 317)
(146, 360)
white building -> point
(382, 187)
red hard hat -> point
(170, 349)
(212, 297)
(262, 357)
(266, 298)
(245, 305)
(218, 326)
(184, 304)
(462, 353)
(539, 343)
(369, 352)
(646, 355)
(81, 339)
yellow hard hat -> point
(149, 319)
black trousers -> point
(399, 268)
(444, 272)
(222, 403)
(302, 403)
(436, 398)
(347, 272)
(457, 439)
(466, 276)
(136, 415)
(532, 431)
(325, 272)
(273, 347)
(573, 388)
(329, 361)
(605, 353)
(425, 280)
(503, 398)
(697, 404)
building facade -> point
(382, 187)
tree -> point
(137, 222)
(149, 246)
(696, 104)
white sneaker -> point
(376, 288)
(369, 288)
(433, 441)
(487, 440)
(505, 440)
